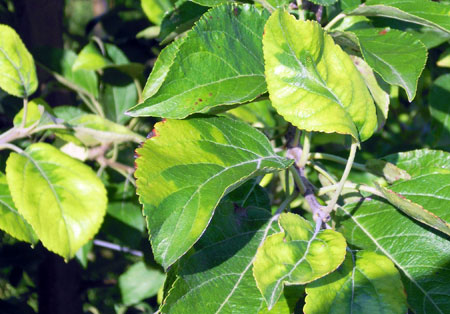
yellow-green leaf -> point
(62, 198)
(10, 220)
(313, 83)
(187, 167)
(18, 72)
(298, 255)
(365, 283)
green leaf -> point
(297, 255)
(11, 221)
(186, 168)
(379, 95)
(259, 113)
(59, 62)
(417, 211)
(397, 56)
(422, 161)
(312, 83)
(161, 68)
(422, 12)
(90, 58)
(227, 41)
(347, 4)
(387, 170)
(34, 113)
(62, 199)
(324, 2)
(220, 270)
(440, 109)
(365, 283)
(18, 74)
(181, 19)
(419, 252)
(127, 213)
(140, 282)
(92, 130)
(118, 94)
(155, 9)
(211, 3)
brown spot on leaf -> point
(200, 100)
(383, 32)
(210, 94)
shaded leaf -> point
(11, 221)
(440, 109)
(52, 189)
(419, 252)
(297, 255)
(424, 12)
(387, 170)
(365, 283)
(220, 270)
(379, 95)
(186, 168)
(59, 62)
(226, 40)
(90, 58)
(155, 9)
(312, 83)
(417, 211)
(140, 282)
(181, 18)
(18, 74)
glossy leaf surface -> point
(186, 168)
(397, 56)
(419, 252)
(50, 188)
(313, 83)
(18, 72)
(424, 12)
(222, 264)
(297, 255)
(227, 41)
(366, 282)
(10, 220)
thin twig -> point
(116, 247)
(337, 159)
(336, 19)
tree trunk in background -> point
(40, 23)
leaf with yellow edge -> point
(298, 255)
(312, 83)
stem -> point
(337, 159)
(301, 13)
(25, 113)
(11, 147)
(266, 5)
(298, 181)
(139, 90)
(350, 185)
(296, 140)
(340, 186)
(336, 19)
(305, 151)
(284, 205)
(117, 247)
